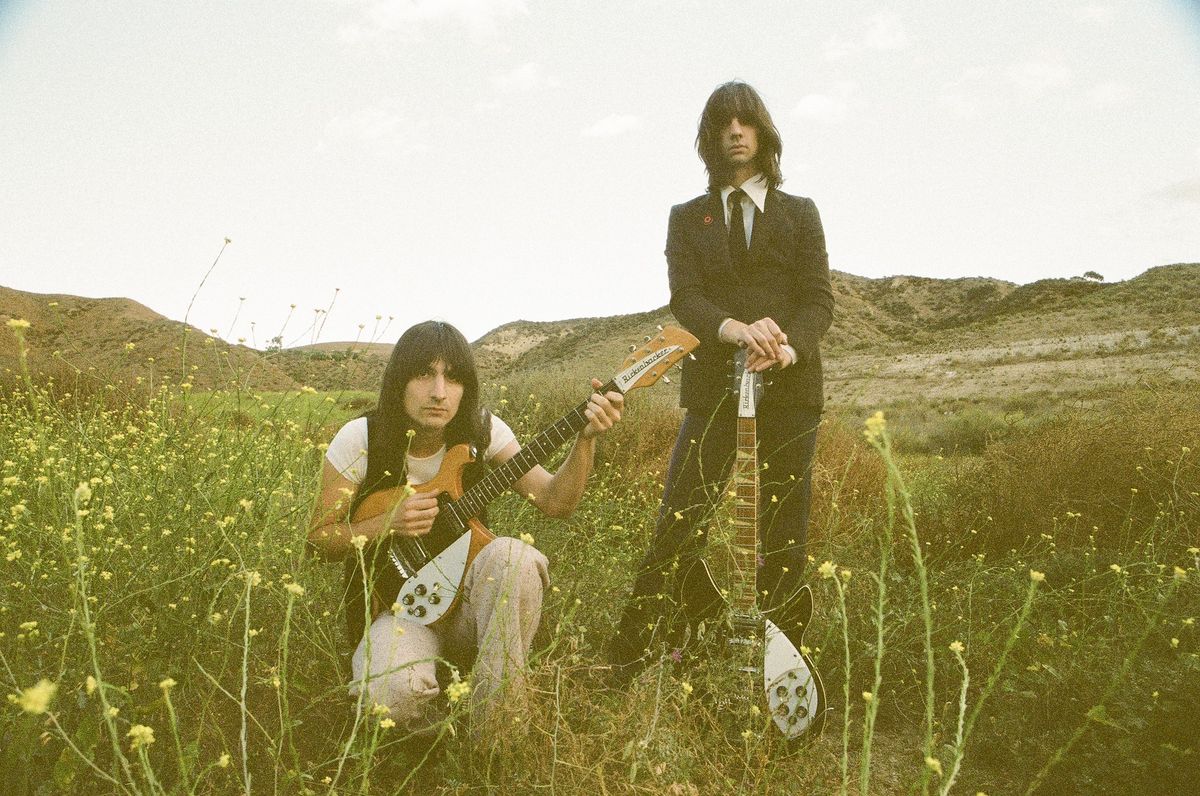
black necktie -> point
(737, 229)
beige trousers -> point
(501, 605)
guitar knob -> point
(434, 599)
(407, 600)
(418, 611)
(781, 692)
(802, 711)
(420, 590)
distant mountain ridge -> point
(117, 337)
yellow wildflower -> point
(457, 690)
(141, 735)
(827, 569)
(1036, 577)
(36, 698)
(956, 646)
(875, 427)
(18, 323)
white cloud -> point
(609, 126)
(837, 49)
(366, 124)
(827, 108)
(380, 130)
(885, 33)
(1184, 192)
(1098, 14)
(525, 77)
(1108, 94)
(821, 108)
(378, 17)
(1037, 78)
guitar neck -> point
(745, 518)
(535, 452)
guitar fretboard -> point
(535, 452)
(745, 517)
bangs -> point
(736, 101)
(423, 345)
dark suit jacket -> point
(786, 277)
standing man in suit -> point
(748, 268)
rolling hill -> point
(892, 337)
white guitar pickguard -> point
(427, 596)
(790, 686)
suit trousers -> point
(696, 483)
(494, 625)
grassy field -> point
(1002, 607)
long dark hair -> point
(388, 424)
(739, 100)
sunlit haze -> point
(482, 161)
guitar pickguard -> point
(429, 593)
(792, 686)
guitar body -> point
(430, 568)
(433, 565)
(791, 684)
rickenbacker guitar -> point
(766, 644)
(431, 567)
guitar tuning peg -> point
(659, 327)
(646, 339)
(666, 379)
(632, 348)
(692, 357)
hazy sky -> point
(482, 161)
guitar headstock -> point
(747, 385)
(651, 361)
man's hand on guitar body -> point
(765, 343)
(415, 514)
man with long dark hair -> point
(428, 403)
(747, 268)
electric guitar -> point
(431, 567)
(766, 644)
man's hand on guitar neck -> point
(603, 411)
(765, 343)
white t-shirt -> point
(348, 452)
